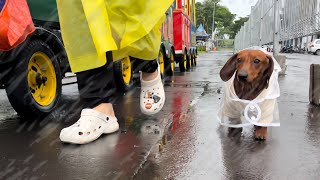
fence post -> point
(280, 58)
(314, 87)
(275, 28)
(250, 25)
(260, 30)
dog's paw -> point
(261, 133)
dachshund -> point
(252, 69)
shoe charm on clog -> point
(156, 98)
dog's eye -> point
(238, 60)
(257, 61)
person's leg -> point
(148, 68)
(96, 88)
(152, 96)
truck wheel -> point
(122, 70)
(317, 52)
(188, 62)
(34, 88)
(170, 65)
(194, 60)
(191, 59)
(183, 63)
(161, 61)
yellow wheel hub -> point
(126, 69)
(42, 79)
(172, 62)
(161, 62)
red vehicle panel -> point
(181, 26)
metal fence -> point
(298, 22)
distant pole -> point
(276, 29)
(214, 9)
(261, 19)
(250, 25)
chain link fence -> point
(298, 22)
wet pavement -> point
(184, 141)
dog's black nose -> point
(243, 76)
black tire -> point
(168, 65)
(188, 62)
(182, 64)
(317, 52)
(194, 60)
(19, 89)
(121, 83)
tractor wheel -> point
(162, 62)
(34, 89)
(123, 71)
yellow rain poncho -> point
(90, 28)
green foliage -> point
(237, 26)
(224, 19)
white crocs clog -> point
(152, 95)
(91, 125)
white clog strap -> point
(97, 114)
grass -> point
(202, 49)
(201, 52)
(224, 49)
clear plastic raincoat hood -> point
(262, 111)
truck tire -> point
(317, 52)
(195, 59)
(191, 59)
(188, 62)
(122, 72)
(34, 88)
(183, 63)
(170, 65)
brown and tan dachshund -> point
(253, 70)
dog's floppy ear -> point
(268, 72)
(229, 68)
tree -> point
(237, 26)
(199, 14)
(224, 20)
(223, 17)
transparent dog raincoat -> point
(262, 111)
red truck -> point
(185, 33)
(179, 37)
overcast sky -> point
(240, 7)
